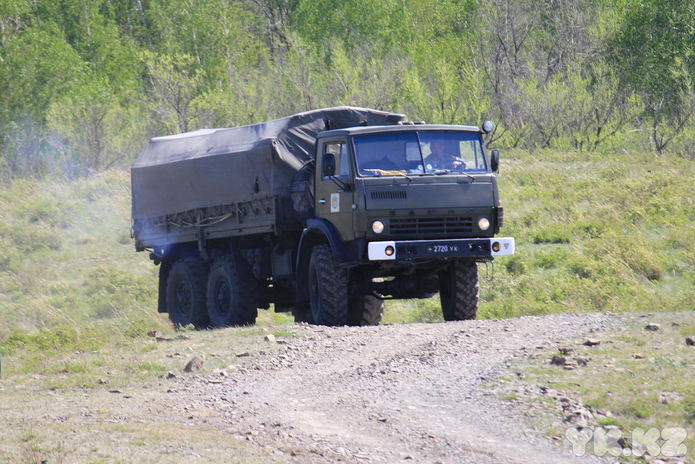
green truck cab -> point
(325, 213)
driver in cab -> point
(442, 156)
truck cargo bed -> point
(228, 182)
(237, 219)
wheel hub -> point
(223, 296)
(184, 298)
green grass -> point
(595, 232)
(69, 282)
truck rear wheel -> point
(459, 291)
(366, 310)
(186, 293)
(232, 293)
(328, 288)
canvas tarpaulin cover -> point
(215, 167)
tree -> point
(94, 37)
(445, 93)
(654, 51)
(36, 67)
(278, 15)
(13, 18)
(91, 131)
(174, 81)
(217, 35)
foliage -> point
(90, 130)
(174, 82)
(86, 82)
(653, 49)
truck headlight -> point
(377, 227)
(483, 223)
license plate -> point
(444, 249)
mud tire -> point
(327, 288)
(232, 292)
(459, 291)
(186, 301)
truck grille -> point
(449, 226)
(389, 195)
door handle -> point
(322, 201)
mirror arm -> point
(340, 183)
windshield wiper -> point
(439, 172)
(402, 173)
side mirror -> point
(328, 165)
(495, 160)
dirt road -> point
(401, 393)
(411, 393)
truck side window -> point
(339, 149)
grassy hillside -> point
(69, 278)
(67, 257)
(594, 233)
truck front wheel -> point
(459, 291)
(328, 288)
(186, 293)
(232, 293)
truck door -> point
(334, 196)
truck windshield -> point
(421, 152)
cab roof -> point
(390, 128)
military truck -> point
(324, 214)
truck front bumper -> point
(453, 248)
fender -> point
(321, 231)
